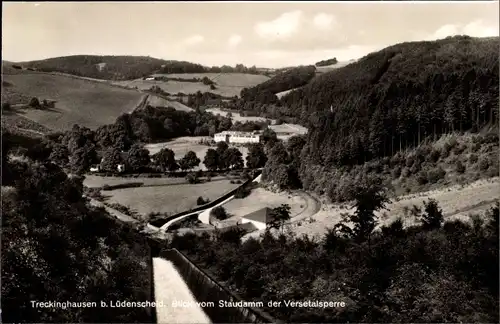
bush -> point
(34, 103)
(396, 172)
(436, 174)
(473, 158)
(200, 201)
(490, 138)
(123, 186)
(493, 171)
(459, 149)
(460, 167)
(484, 163)
(192, 178)
(219, 213)
(422, 178)
(435, 155)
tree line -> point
(327, 62)
(390, 101)
(126, 67)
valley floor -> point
(314, 217)
(456, 201)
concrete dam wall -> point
(205, 289)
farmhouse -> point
(238, 137)
(119, 167)
(260, 218)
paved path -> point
(170, 288)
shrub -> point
(473, 158)
(460, 167)
(192, 178)
(405, 173)
(396, 172)
(123, 186)
(490, 138)
(242, 192)
(484, 163)
(493, 171)
(475, 147)
(415, 168)
(422, 178)
(200, 201)
(410, 160)
(219, 213)
(458, 149)
(34, 103)
(435, 175)
(435, 155)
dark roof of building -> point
(262, 215)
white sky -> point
(262, 34)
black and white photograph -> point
(250, 162)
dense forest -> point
(432, 272)
(57, 248)
(266, 92)
(331, 61)
(125, 67)
(389, 101)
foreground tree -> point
(433, 215)
(190, 160)
(59, 155)
(110, 160)
(369, 196)
(279, 216)
(211, 160)
(256, 157)
(138, 158)
(165, 159)
(233, 158)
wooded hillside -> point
(398, 97)
(110, 67)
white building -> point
(259, 218)
(237, 137)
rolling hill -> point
(373, 112)
(78, 101)
(227, 84)
(110, 67)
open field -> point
(456, 202)
(228, 84)
(14, 122)
(78, 101)
(328, 68)
(285, 131)
(166, 199)
(283, 93)
(156, 101)
(182, 145)
(260, 198)
(242, 80)
(235, 115)
(94, 181)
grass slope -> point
(227, 84)
(79, 101)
